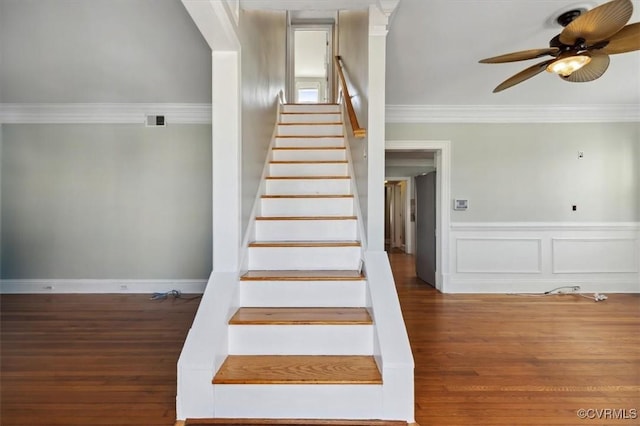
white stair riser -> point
(309, 155)
(305, 230)
(309, 129)
(299, 401)
(326, 108)
(308, 187)
(302, 142)
(301, 339)
(311, 118)
(304, 258)
(303, 294)
(308, 169)
(307, 207)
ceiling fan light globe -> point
(566, 66)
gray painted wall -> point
(106, 201)
(353, 42)
(101, 51)
(531, 172)
(263, 37)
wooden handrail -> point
(358, 132)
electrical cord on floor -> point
(563, 291)
(177, 294)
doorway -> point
(310, 63)
(442, 163)
(394, 215)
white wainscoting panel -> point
(538, 257)
(595, 255)
(499, 255)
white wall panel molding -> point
(544, 226)
(125, 286)
(537, 257)
(594, 255)
(512, 113)
(499, 255)
(104, 113)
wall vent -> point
(156, 121)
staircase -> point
(303, 327)
(302, 343)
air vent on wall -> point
(155, 121)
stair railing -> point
(358, 132)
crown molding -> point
(512, 113)
(105, 113)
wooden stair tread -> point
(301, 162)
(312, 123)
(309, 112)
(309, 196)
(292, 422)
(301, 316)
(310, 275)
(307, 177)
(298, 369)
(308, 148)
(306, 218)
(310, 136)
(345, 243)
(313, 104)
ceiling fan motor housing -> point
(567, 17)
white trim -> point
(104, 113)
(545, 226)
(443, 200)
(124, 286)
(512, 113)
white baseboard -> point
(124, 286)
(539, 286)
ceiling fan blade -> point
(625, 40)
(593, 70)
(599, 23)
(521, 56)
(523, 75)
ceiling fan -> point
(581, 51)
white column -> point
(376, 127)
(226, 161)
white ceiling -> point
(433, 48)
(150, 51)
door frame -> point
(442, 149)
(290, 68)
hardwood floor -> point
(480, 359)
(516, 360)
(90, 359)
